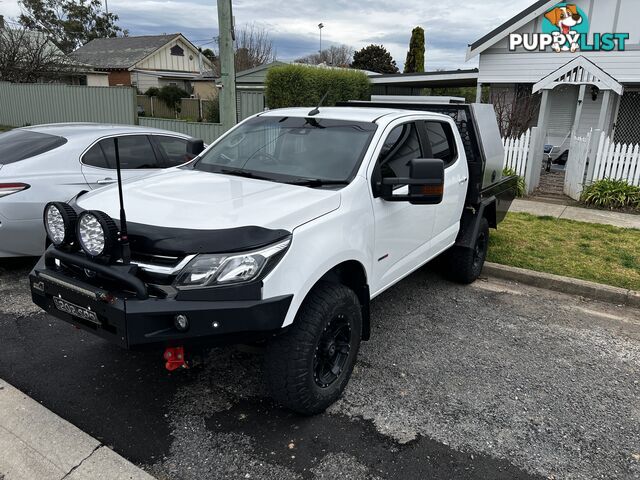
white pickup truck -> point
(281, 232)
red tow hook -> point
(175, 358)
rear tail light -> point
(9, 188)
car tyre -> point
(464, 265)
(308, 366)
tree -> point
(374, 58)
(415, 55)
(29, 57)
(254, 47)
(337, 56)
(516, 110)
(172, 96)
(208, 53)
(69, 23)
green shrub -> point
(171, 96)
(152, 92)
(304, 86)
(612, 194)
(522, 187)
(212, 112)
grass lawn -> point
(598, 253)
(4, 128)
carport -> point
(414, 83)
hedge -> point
(304, 86)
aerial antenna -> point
(124, 236)
(316, 110)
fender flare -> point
(471, 219)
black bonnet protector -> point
(157, 240)
(154, 240)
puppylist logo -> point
(565, 28)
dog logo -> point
(565, 18)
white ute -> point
(281, 233)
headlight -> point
(60, 223)
(97, 233)
(227, 269)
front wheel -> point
(464, 265)
(308, 367)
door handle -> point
(464, 180)
(106, 181)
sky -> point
(450, 25)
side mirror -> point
(426, 183)
(195, 147)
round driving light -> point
(181, 322)
(96, 232)
(60, 222)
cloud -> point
(450, 25)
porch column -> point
(576, 119)
(479, 93)
(602, 120)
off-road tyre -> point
(464, 265)
(295, 360)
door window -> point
(174, 150)
(136, 152)
(442, 142)
(401, 146)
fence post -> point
(532, 171)
(152, 111)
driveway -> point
(495, 380)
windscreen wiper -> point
(317, 182)
(243, 173)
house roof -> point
(515, 22)
(120, 52)
(579, 71)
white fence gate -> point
(595, 158)
(576, 166)
(516, 152)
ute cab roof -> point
(354, 114)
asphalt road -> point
(495, 380)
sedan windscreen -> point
(291, 149)
(17, 145)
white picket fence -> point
(516, 152)
(616, 161)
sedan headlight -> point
(97, 233)
(208, 270)
(60, 223)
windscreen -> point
(292, 148)
(17, 145)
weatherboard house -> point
(583, 57)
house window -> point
(177, 51)
(628, 121)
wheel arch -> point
(352, 274)
(471, 220)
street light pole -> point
(320, 27)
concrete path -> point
(624, 220)
(37, 444)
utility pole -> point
(106, 6)
(228, 115)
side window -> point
(401, 146)
(95, 157)
(442, 141)
(174, 149)
(135, 152)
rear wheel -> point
(464, 265)
(309, 366)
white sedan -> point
(55, 162)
